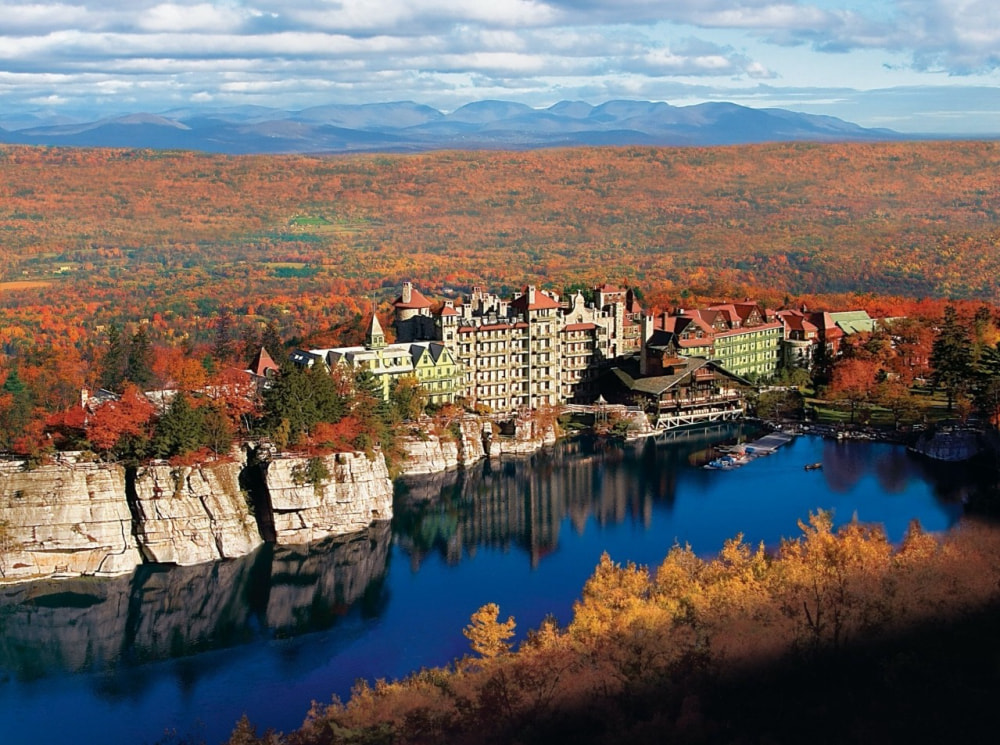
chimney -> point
(531, 295)
(647, 333)
(407, 292)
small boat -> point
(813, 466)
(727, 462)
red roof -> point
(448, 311)
(798, 323)
(579, 326)
(417, 301)
(262, 363)
(541, 301)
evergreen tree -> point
(250, 344)
(988, 383)
(370, 396)
(139, 363)
(299, 399)
(180, 430)
(223, 350)
(16, 406)
(822, 364)
(113, 363)
(951, 357)
(271, 340)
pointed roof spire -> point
(262, 364)
(375, 336)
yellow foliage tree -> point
(489, 637)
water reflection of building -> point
(159, 613)
(523, 502)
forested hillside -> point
(89, 236)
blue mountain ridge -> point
(405, 126)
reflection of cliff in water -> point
(160, 613)
(846, 463)
(523, 501)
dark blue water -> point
(167, 654)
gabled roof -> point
(853, 321)
(438, 350)
(375, 336)
(796, 322)
(262, 364)
(540, 301)
(727, 312)
(657, 385)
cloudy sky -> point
(911, 65)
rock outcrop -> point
(192, 514)
(81, 518)
(465, 444)
(64, 519)
(351, 492)
(949, 445)
(470, 440)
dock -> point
(738, 455)
(768, 444)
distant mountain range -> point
(409, 127)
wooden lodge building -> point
(677, 391)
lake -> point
(180, 653)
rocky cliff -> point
(189, 515)
(470, 440)
(64, 519)
(351, 492)
(465, 444)
(78, 518)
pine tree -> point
(139, 364)
(223, 349)
(951, 357)
(113, 363)
(16, 406)
(299, 399)
(180, 430)
(271, 340)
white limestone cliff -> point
(192, 514)
(356, 492)
(64, 519)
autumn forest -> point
(137, 269)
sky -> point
(918, 66)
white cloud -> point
(283, 52)
(201, 18)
